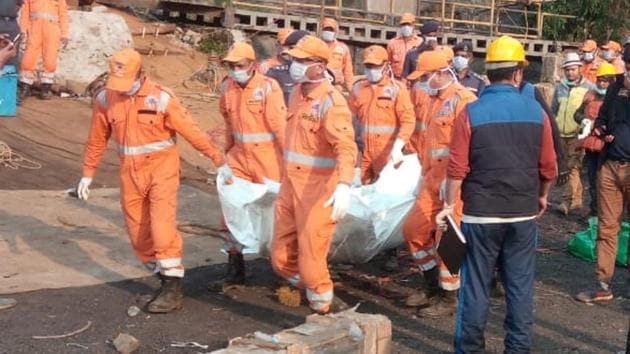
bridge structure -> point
(366, 22)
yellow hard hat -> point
(504, 52)
(606, 69)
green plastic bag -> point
(583, 244)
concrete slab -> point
(48, 240)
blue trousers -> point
(514, 246)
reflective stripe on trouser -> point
(149, 204)
(319, 302)
(146, 148)
(43, 41)
(420, 229)
(303, 233)
(516, 243)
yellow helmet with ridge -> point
(505, 52)
(606, 69)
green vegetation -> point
(601, 20)
(215, 43)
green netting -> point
(582, 245)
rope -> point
(13, 160)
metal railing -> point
(495, 17)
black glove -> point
(563, 178)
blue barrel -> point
(8, 91)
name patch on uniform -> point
(340, 50)
(151, 102)
(254, 101)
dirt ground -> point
(53, 133)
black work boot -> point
(443, 305)
(169, 298)
(24, 90)
(45, 93)
(431, 288)
(235, 274)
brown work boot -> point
(24, 90)
(169, 298)
(431, 288)
(443, 305)
(45, 93)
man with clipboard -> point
(503, 162)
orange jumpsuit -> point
(267, 64)
(397, 49)
(144, 129)
(619, 64)
(320, 152)
(420, 228)
(255, 120)
(45, 22)
(589, 70)
(420, 101)
(385, 114)
(340, 64)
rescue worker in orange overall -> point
(384, 112)
(340, 62)
(319, 159)
(255, 116)
(447, 98)
(45, 24)
(398, 47)
(590, 60)
(276, 60)
(612, 53)
(143, 119)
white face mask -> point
(298, 72)
(328, 36)
(406, 31)
(589, 56)
(434, 91)
(460, 63)
(609, 55)
(134, 88)
(240, 76)
(374, 75)
(430, 39)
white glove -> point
(225, 173)
(587, 127)
(442, 193)
(397, 155)
(83, 189)
(440, 218)
(356, 181)
(340, 202)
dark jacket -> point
(507, 131)
(614, 119)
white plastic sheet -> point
(373, 224)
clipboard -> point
(452, 247)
